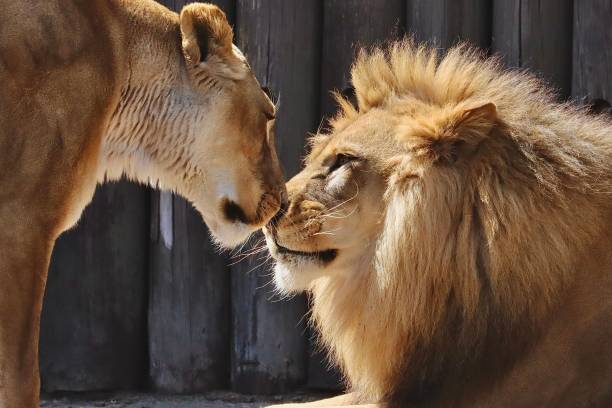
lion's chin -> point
(295, 278)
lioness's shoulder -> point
(51, 34)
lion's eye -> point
(341, 160)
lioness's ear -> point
(205, 31)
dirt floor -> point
(212, 400)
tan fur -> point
(95, 89)
(472, 233)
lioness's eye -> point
(341, 160)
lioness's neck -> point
(151, 113)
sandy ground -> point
(212, 400)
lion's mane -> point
(471, 259)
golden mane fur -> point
(474, 253)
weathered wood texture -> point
(189, 294)
(348, 25)
(536, 34)
(592, 60)
(189, 301)
(447, 22)
(93, 331)
(281, 40)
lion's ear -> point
(448, 136)
(205, 31)
(475, 122)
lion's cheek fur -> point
(292, 276)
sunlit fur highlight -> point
(474, 253)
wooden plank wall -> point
(592, 55)
(348, 25)
(189, 294)
(268, 343)
(93, 326)
(536, 35)
(446, 22)
(137, 295)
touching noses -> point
(282, 210)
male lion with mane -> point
(454, 230)
(93, 89)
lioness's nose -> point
(284, 206)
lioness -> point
(454, 230)
(93, 89)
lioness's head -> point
(243, 181)
(194, 119)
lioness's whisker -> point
(265, 285)
(258, 265)
(247, 255)
(251, 252)
(238, 251)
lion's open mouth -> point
(324, 256)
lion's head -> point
(193, 118)
(437, 222)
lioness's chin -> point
(229, 235)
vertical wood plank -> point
(189, 294)
(536, 34)
(592, 61)
(189, 310)
(93, 326)
(446, 22)
(281, 41)
(347, 26)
